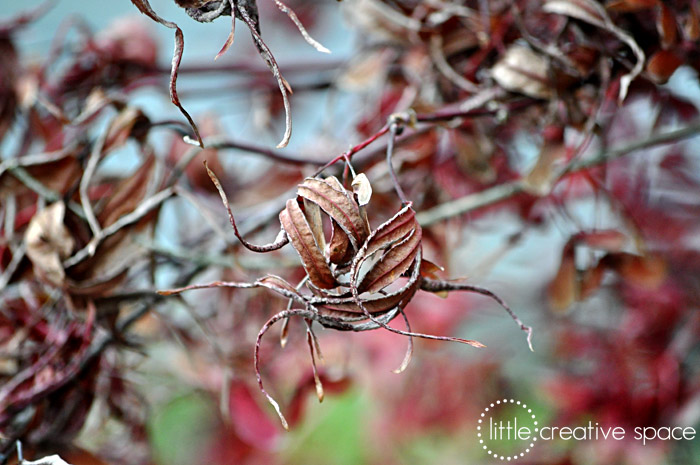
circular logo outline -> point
(487, 448)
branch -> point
(126, 220)
(506, 190)
(41, 190)
(225, 143)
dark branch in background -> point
(509, 189)
(225, 143)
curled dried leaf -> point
(359, 280)
(392, 263)
(338, 205)
(338, 250)
(302, 238)
(49, 242)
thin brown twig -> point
(431, 285)
(93, 162)
(506, 190)
(281, 240)
(128, 219)
(224, 143)
(352, 151)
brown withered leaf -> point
(629, 6)
(542, 177)
(9, 70)
(347, 308)
(278, 284)
(103, 272)
(313, 216)
(394, 257)
(391, 231)
(302, 238)
(609, 240)
(430, 269)
(128, 193)
(58, 175)
(644, 271)
(662, 65)
(48, 242)
(338, 205)
(338, 250)
(129, 122)
(591, 280)
(667, 26)
(691, 25)
(562, 290)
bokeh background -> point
(624, 353)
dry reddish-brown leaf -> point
(392, 263)
(391, 231)
(628, 6)
(313, 216)
(609, 240)
(48, 242)
(302, 238)
(562, 290)
(591, 280)
(128, 193)
(667, 26)
(430, 269)
(662, 65)
(347, 308)
(593, 13)
(338, 250)
(58, 175)
(543, 175)
(645, 271)
(279, 285)
(691, 26)
(129, 122)
(338, 205)
(9, 71)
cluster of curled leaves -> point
(357, 278)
